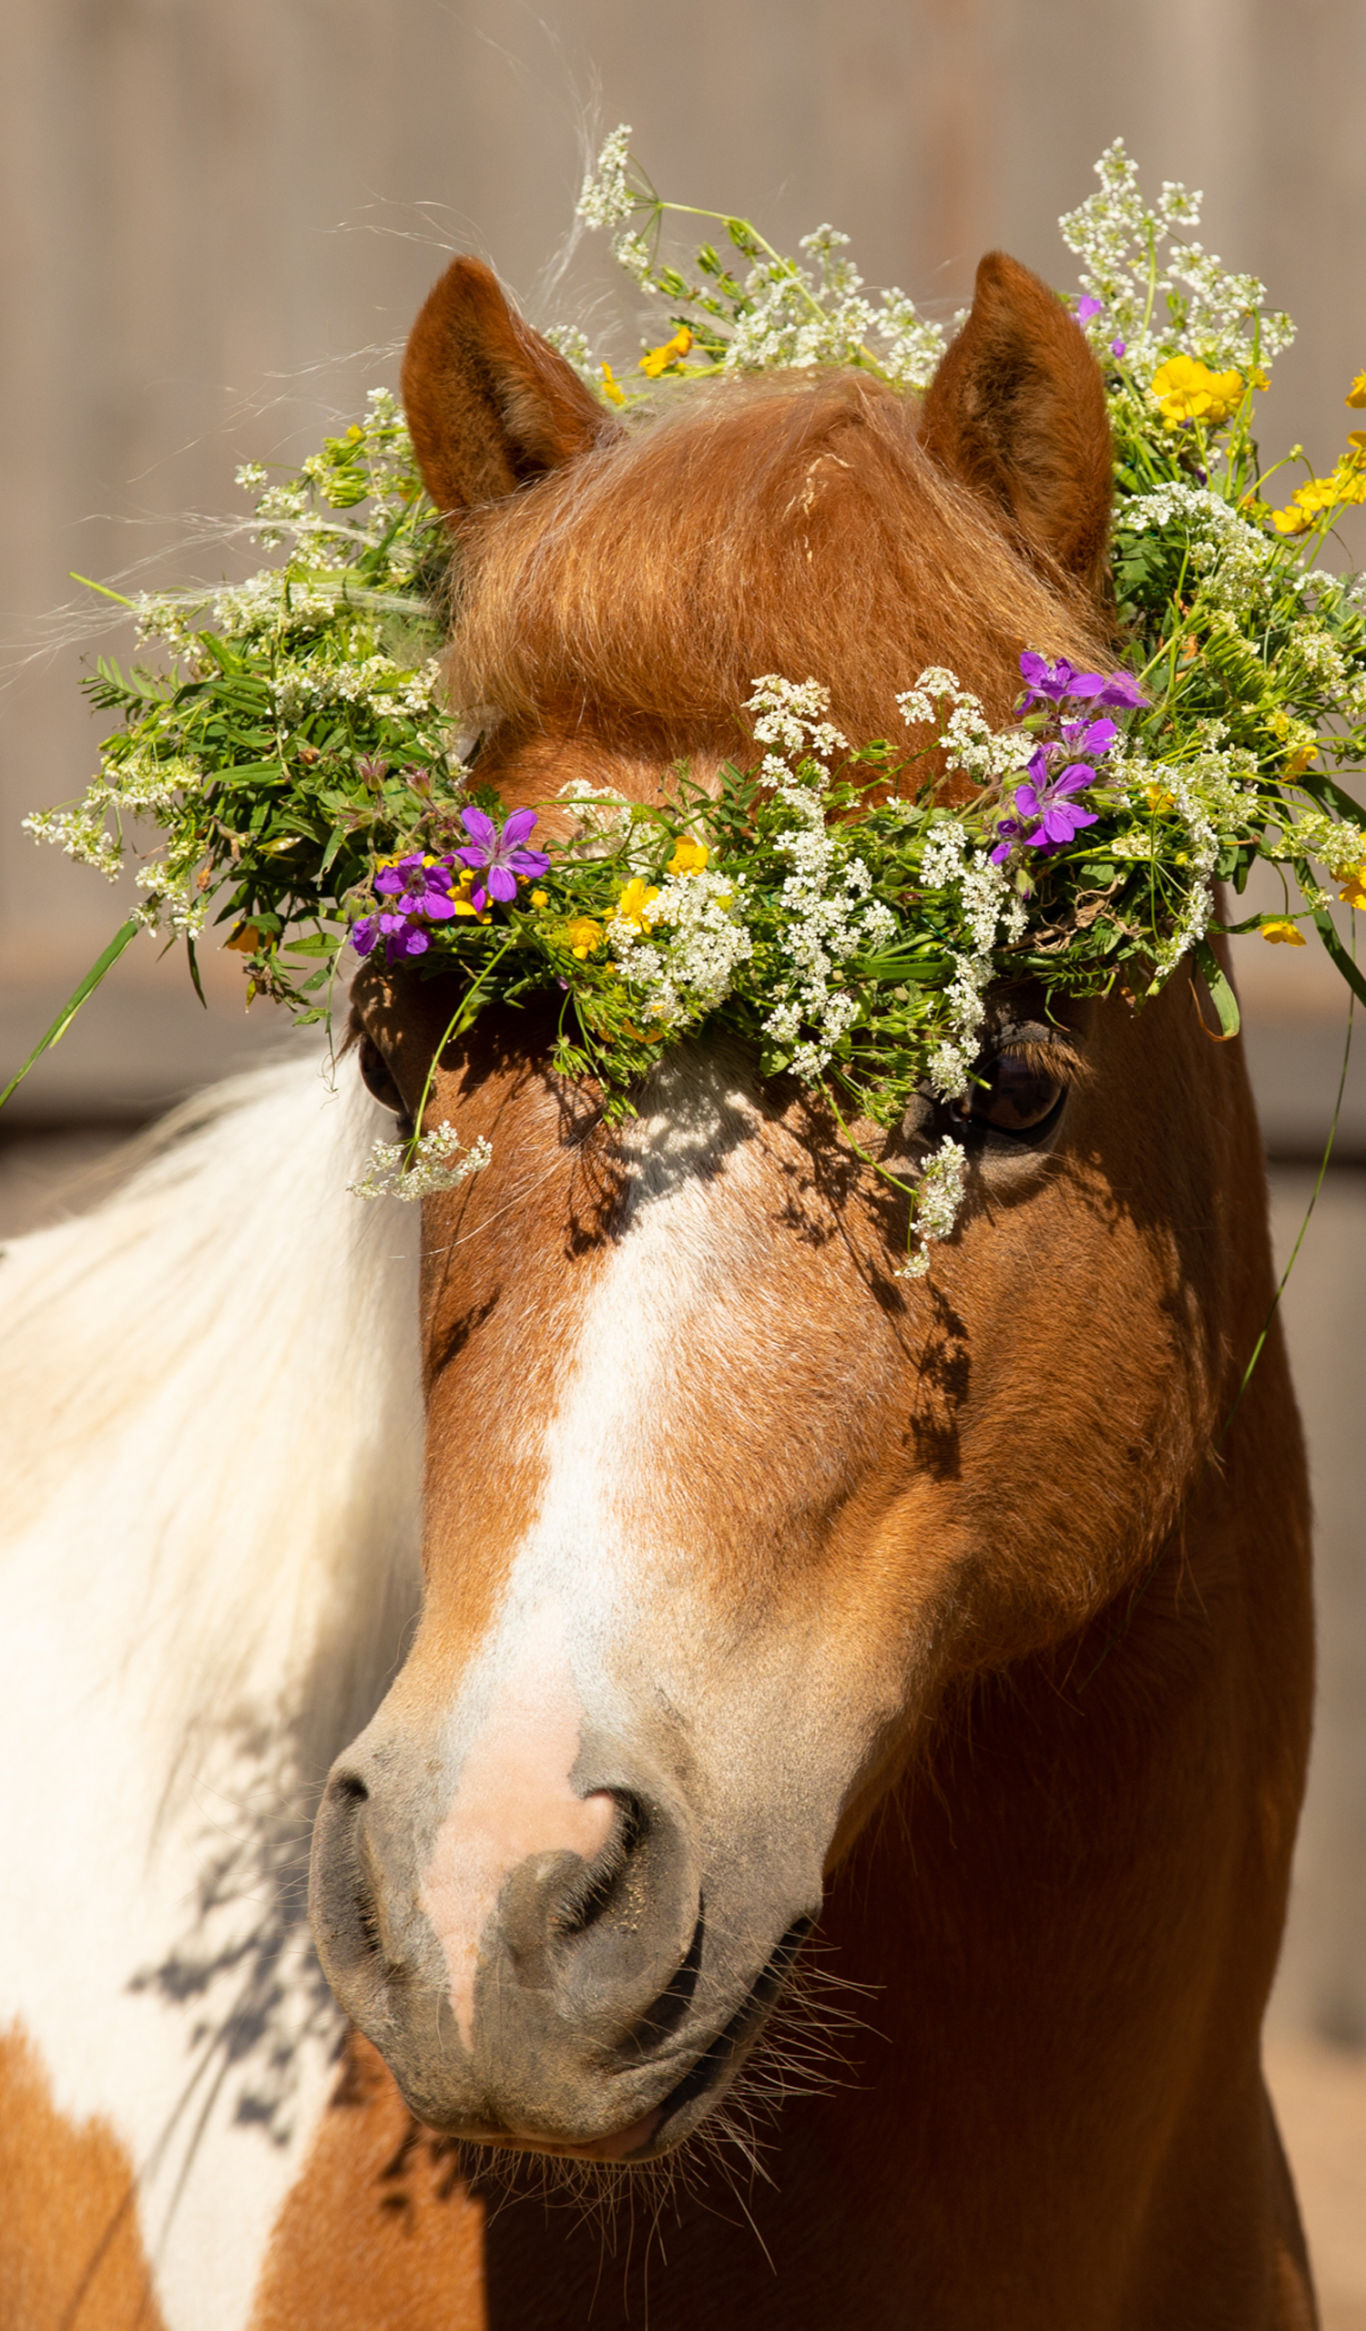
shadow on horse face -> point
(719, 1511)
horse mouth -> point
(686, 2105)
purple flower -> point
(1116, 347)
(1045, 683)
(1089, 736)
(500, 854)
(1088, 307)
(1122, 691)
(1062, 683)
(1009, 830)
(1046, 798)
(413, 893)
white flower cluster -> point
(175, 899)
(989, 756)
(1311, 654)
(912, 344)
(358, 679)
(1335, 842)
(830, 915)
(950, 1066)
(938, 1201)
(1214, 799)
(1120, 241)
(272, 600)
(607, 198)
(790, 719)
(403, 1169)
(804, 316)
(80, 833)
(572, 345)
(1236, 562)
(991, 905)
(144, 785)
(167, 616)
(680, 979)
(795, 315)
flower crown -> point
(303, 783)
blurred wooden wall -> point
(205, 208)
(219, 221)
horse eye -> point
(374, 1070)
(1010, 1095)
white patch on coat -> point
(211, 1421)
(576, 1610)
(514, 1798)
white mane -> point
(210, 1444)
(210, 1410)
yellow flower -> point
(1158, 798)
(540, 898)
(1282, 932)
(1298, 761)
(633, 901)
(613, 393)
(1356, 395)
(658, 360)
(1310, 501)
(462, 899)
(245, 939)
(582, 936)
(1353, 891)
(643, 1035)
(689, 857)
(1186, 390)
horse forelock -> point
(797, 528)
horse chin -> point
(624, 2121)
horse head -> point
(726, 1522)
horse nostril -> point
(604, 1940)
(348, 1788)
(343, 1904)
(590, 1887)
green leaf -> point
(193, 960)
(318, 943)
(1327, 930)
(1222, 996)
(127, 931)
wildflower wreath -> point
(305, 783)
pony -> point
(805, 1761)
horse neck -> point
(1068, 1916)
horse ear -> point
(490, 404)
(1017, 411)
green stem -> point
(1258, 1347)
(127, 931)
(1145, 1581)
(459, 1020)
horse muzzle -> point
(593, 1994)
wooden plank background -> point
(206, 208)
